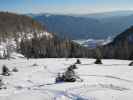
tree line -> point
(53, 48)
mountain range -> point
(20, 33)
(95, 26)
(110, 14)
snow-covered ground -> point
(113, 80)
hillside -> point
(19, 33)
(10, 22)
(14, 28)
(121, 47)
(18, 26)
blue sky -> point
(65, 6)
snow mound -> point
(15, 55)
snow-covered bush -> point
(78, 61)
(98, 61)
(5, 71)
(15, 69)
(59, 78)
(68, 76)
(35, 64)
(98, 56)
(131, 64)
(73, 67)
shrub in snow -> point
(98, 61)
(59, 78)
(131, 64)
(68, 76)
(78, 61)
(98, 56)
(18, 87)
(73, 67)
(15, 69)
(35, 64)
(5, 70)
(45, 67)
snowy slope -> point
(113, 80)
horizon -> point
(58, 13)
(65, 6)
(93, 13)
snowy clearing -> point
(35, 80)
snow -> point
(3, 49)
(15, 55)
(92, 43)
(113, 80)
(30, 35)
(48, 15)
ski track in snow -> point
(108, 76)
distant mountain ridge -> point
(109, 14)
(68, 26)
(86, 26)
